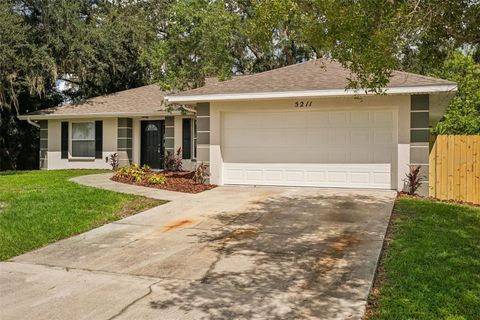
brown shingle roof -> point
(311, 75)
(147, 99)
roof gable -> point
(307, 76)
(145, 100)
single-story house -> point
(292, 126)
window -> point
(83, 139)
(151, 127)
(187, 138)
(194, 128)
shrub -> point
(138, 174)
(413, 179)
(113, 161)
(156, 178)
(201, 173)
(133, 172)
(173, 161)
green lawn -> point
(431, 268)
(39, 207)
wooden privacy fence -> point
(454, 172)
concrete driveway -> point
(228, 253)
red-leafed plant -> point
(413, 179)
(113, 161)
(173, 161)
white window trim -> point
(70, 140)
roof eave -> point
(98, 115)
(308, 94)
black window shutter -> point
(64, 140)
(98, 139)
(187, 138)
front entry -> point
(152, 143)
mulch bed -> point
(176, 181)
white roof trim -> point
(98, 115)
(309, 93)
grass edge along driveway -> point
(41, 207)
(430, 268)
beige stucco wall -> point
(110, 135)
(400, 103)
(54, 146)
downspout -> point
(33, 123)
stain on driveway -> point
(229, 253)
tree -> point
(26, 77)
(441, 27)
(196, 43)
(463, 113)
(102, 46)
(94, 45)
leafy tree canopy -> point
(463, 114)
(103, 46)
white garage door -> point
(343, 148)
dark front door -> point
(152, 143)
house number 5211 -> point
(303, 104)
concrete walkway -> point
(227, 253)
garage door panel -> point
(337, 136)
(383, 118)
(261, 154)
(361, 156)
(360, 136)
(330, 155)
(360, 177)
(337, 156)
(239, 121)
(383, 136)
(294, 175)
(317, 137)
(337, 177)
(292, 137)
(254, 175)
(316, 176)
(317, 119)
(273, 175)
(295, 119)
(347, 148)
(306, 175)
(252, 138)
(360, 118)
(338, 118)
